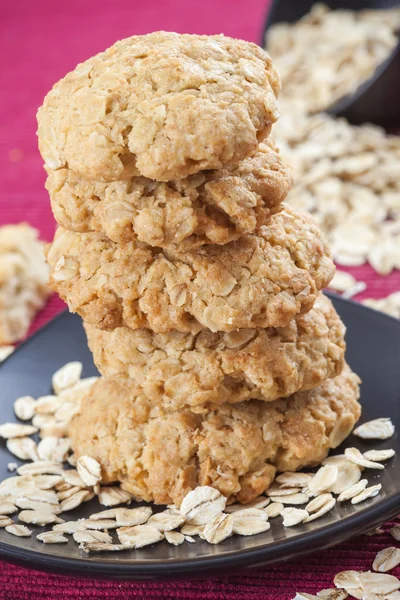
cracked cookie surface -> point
(162, 105)
(260, 280)
(211, 207)
(237, 449)
(176, 370)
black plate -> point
(373, 352)
(377, 99)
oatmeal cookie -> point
(237, 448)
(23, 280)
(211, 207)
(177, 370)
(261, 280)
(162, 105)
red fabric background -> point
(40, 41)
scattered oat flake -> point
(112, 496)
(293, 516)
(276, 490)
(329, 504)
(378, 583)
(386, 560)
(36, 505)
(395, 532)
(192, 529)
(67, 376)
(15, 430)
(47, 405)
(54, 449)
(70, 526)
(74, 501)
(370, 492)
(358, 288)
(332, 594)
(12, 466)
(166, 521)
(348, 580)
(132, 516)
(92, 536)
(41, 467)
(41, 420)
(292, 499)
(139, 535)
(348, 474)
(13, 486)
(89, 470)
(342, 281)
(54, 429)
(101, 524)
(250, 512)
(353, 491)
(5, 521)
(72, 477)
(289, 479)
(46, 482)
(52, 537)
(201, 505)
(324, 479)
(217, 530)
(36, 517)
(18, 530)
(355, 456)
(318, 502)
(274, 509)
(7, 508)
(174, 537)
(304, 596)
(379, 455)
(101, 547)
(249, 525)
(48, 496)
(23, 448)
(378, 429)
(24, 408)
(68, 492)
(260, 502)
(111, 513)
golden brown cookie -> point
(211, 207)
(178, 370)
(257, 281)
(162, 105)
(237, 448)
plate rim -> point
(198, 567)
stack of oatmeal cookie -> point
(200, 292)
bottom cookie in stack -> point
(160, 456)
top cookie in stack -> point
(158, 139)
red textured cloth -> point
(40, 41)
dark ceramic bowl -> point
(377, 100)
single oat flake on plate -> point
(378, 429)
